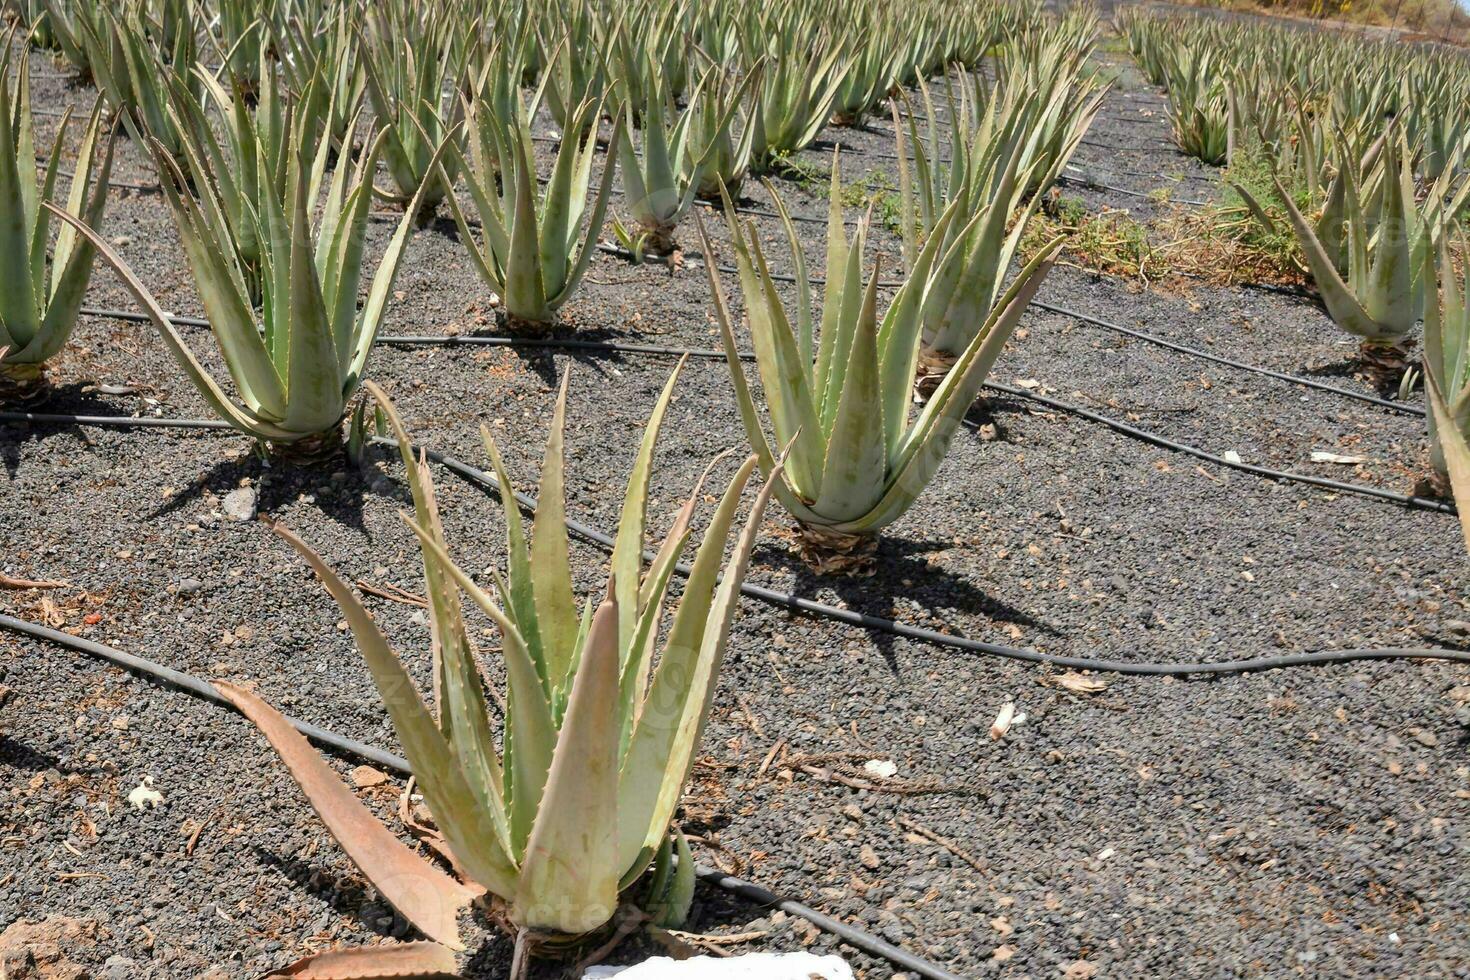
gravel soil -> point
(1307, 822)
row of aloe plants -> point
(1355, 151)
(244, 153)
(1234, 83)
(566, 814)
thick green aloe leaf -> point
(569, 879)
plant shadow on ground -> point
(19, 755)
(346, 896)
(1345, 368)
(281, 483)
(902, 572)
(67, 399)
(541, 360)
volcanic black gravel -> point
(1307, 822)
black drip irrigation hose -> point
(1143, 435)
(864, 621)
(764, 213)
(573, 344)
(134, 316)
(552, 343)
(623, 253)
(1204, 355)
(853, 937)
(191, 684)
(1118, 149)
(113, 421)
(123, 185)
(1407, 500)
(747, 890)
(1151, 174)
(1092, 184)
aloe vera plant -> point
(143, 62)
(1198, 109)
(44, 281)
(1018, 139)
(30, 16)
(721, 133)
(576, 69)
(658, 183)
(1447, 380)
(794, 98)
(838, 393)
(297, 365)
(241, 36)
(648, 55)
(1367, 253)
(532, 250)
(324, 54)
(247, 156)
(417, 75)
(571, 816)
(68, 22)
(872, 70)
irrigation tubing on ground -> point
(554, 343)
(114, 421)
(1408, 500)
(134, 316)
(1117, 149)
(573, 344)
(1403, 407)
(190, 683)
(623, 253)
(864, 621)
(853, 937)
(1177, 177)
(1143, 435)
(749, 891)
(1092, 184)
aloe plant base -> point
(424, 216)
(523, 326)
(710, 193)
(1383, 364)
(24, 384)
(309, 450)
(1434, 485)
(933, 367)
(830, 552)
(659, 240)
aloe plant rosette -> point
(1368, 252)
(838, 394)
(533, 248)
(297, 364)
(43, 292)
(571, 817)
(1447, 383)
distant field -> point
(1444, 20)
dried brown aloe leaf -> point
(426, 896)
(400, 961)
